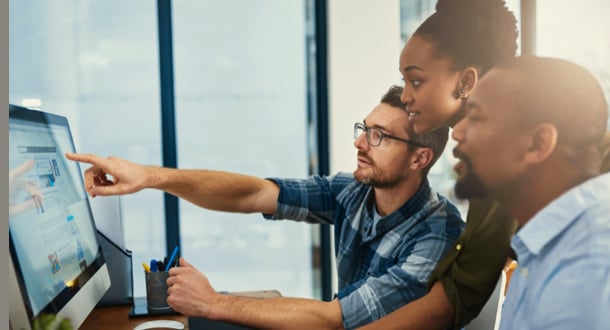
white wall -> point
(364, 46)
(363, 49)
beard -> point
(469, 185)
(375, 177)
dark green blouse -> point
(471, 269)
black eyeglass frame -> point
(367, 130)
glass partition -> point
(241, 89)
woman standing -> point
(440, 65)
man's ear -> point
(542, 143)
(467, 82)
(421, 159)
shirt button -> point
(458, 246)
(524, 272)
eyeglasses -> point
(374, 136)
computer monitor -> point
(56, 262)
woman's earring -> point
(462, 94)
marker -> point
(146, 268)
(153, 265)
(171, 259)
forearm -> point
(278, 313)
(190, 293)
(217, 190)
(432, 311)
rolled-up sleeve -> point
(311, 200)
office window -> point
(96, 62)
(412, 14)
(241, 89)
(578, 32)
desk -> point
(117, 317)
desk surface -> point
(116, 318)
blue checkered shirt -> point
(382, 268)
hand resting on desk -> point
(190, 293)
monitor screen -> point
(53, 245)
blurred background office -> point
(263, 87)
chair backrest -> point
(489, 317)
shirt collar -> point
(407, 210)
(559, 214)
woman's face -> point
(431, 89)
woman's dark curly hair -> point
(479, 33)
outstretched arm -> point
(214, 190)
(191, 294)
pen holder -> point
(156, 290)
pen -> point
(171, 259)
(146, 268)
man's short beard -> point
(364, 180)
(373, 181)
(469, 186)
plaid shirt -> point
(379, 269)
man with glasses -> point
(390, 228)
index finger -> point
(90, 173)
(174, 271)
(84, 158)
